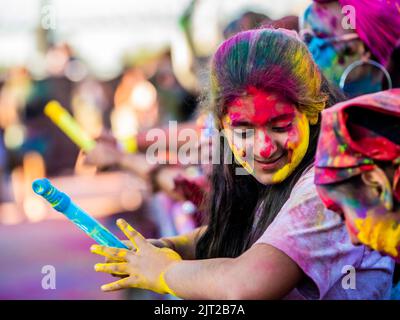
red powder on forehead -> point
(264, 107)
(258, 107)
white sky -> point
(101, 31)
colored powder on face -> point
(329, 56)
(237, 153)
(298, 148)
(323, 20)
(258, 109)
(238, 156)
(381, 235)
(269, 146)
(267, 106)
(326, 58)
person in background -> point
(358, 169)
(352, 40)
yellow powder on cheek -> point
(237, 153)
(299, 150)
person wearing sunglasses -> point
(352, 40)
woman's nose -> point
(264, 146)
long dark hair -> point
(236, 65)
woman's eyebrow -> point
(241, 123)
(283, 117)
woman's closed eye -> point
(243, 133)
(282, 126)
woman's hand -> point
(159, 243)
(143, 266)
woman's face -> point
(267, 135)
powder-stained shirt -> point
(316, 239)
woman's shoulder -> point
(305, 210)
(304, 191)
(306, 178)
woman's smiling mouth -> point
(271, 164)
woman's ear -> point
(379, 182)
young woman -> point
(268, 235)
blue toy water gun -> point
(63, 203)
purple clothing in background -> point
(317, 240)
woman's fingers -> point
(117, 285)
(120, 269)
(128, 244)
(113, 254)
(106, 260)
(135, 237)
(157, 243)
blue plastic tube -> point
(63, 203)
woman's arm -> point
(184, 244)
(262, 272)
